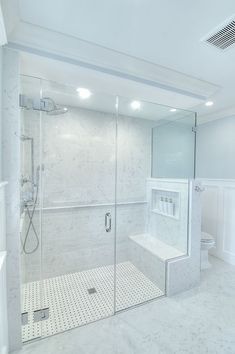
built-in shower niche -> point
(166, 202)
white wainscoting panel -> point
(218, 216)
(229, 223)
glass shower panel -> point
(140, 275)
(78, 214)
(174, 146)
(30, 225)
(152, 212)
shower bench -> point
(150, 256)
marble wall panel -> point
(78, 156)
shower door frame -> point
(109, 224)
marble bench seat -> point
(149, 255)
(156, 247)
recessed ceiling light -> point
(173, 110)
(135, 105)
(209, 103)
(83, 93)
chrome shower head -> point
(51, 108)
(57, 111)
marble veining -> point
(79, 169)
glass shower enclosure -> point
(95, 236)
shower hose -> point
(31, 225)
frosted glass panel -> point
(173, 148)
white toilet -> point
(207, 242)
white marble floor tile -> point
(201, 320)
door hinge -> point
(24, 318)
(194, 129)
(41, 315)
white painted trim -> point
(169, 180)
(216, 115)
(219, 219)
(90, 55)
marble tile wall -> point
(172, 231)
(78, 155)
(184, 274)
(75, 239)
(148, 263)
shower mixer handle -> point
(199, 188)
(108, 222)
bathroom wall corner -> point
(184, 273)
(11, 174)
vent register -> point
(223, 37)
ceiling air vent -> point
(223, 37)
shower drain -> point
(92, 291)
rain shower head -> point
(57, 111)
(45, 104)
(51, 108)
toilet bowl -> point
(207, 242)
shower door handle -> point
(108, 222)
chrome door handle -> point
(108, 222)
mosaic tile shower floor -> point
(76, 299)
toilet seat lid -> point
(206, 237)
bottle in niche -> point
(171, 207)
(161, 205)
(166, 206)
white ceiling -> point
(59, 81)
(166, 33)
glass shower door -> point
(30, 208)
(78, 212)
(155, 159)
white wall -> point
(216, 168)
(216, 149)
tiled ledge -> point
(157, 247)
(98, 205)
